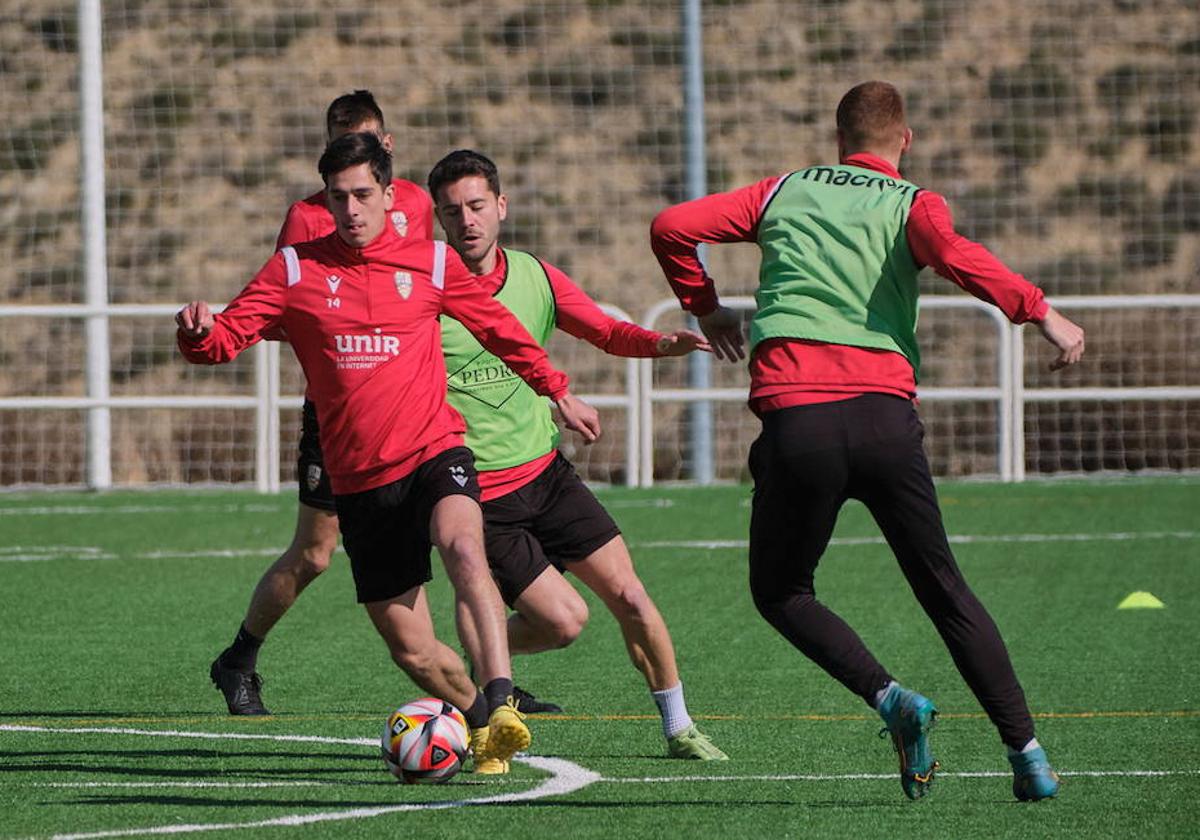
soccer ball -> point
(425, 741)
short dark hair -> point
(869, 114)
(351, 150)
(461, 164)
(352, 110)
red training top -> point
(363, 323)
(577, 314)
(786, 372)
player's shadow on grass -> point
(851, 804)
(217, 802)
(98, 762)
(80, 713)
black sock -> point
(477, 715)
(242, 655)
(497, 692)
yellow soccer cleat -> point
(484, 764)
(507, 735)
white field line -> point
(958, 539)
(850, 777)
(41, 553)
(777, 777)
(135, 510)
(31, 554)
(565, 777)
(249, 507)
(616, 504)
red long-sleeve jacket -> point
(785, 372)
(363, 324)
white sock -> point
(881, 693)
(1032, 745)
(675, 717)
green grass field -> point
(114, 605)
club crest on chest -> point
(404, 284)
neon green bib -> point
(835, 262)
(508, 423)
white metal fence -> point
(633, 391)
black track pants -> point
(806, 463)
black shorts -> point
(385, 530)
(551, 521)
(315, 490)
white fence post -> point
(95, 250)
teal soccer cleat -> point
(1033, 777)
(909, 717)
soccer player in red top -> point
(833, 367)
(360, 309)
(412, 212)
(316, 534)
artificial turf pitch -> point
(114, 605)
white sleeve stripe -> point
(439, 264)
(771, 194)
(293, 265)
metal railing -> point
(637, 399)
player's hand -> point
(723, 329)
(682, 342)
(580, 417)
(1064, 334)
(195, 320)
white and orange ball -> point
(425, 741)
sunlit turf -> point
(113, 606)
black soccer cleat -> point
(530, 705)
(242, 689)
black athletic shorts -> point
(385, 530)
(315, 490)
(552, 520)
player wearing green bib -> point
(539, 518)
(833, 367)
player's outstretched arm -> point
(682, 342)
(579, 417)
(1064, 334)
(723, 329)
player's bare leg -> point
(550, 614)
(456, 528)
(406, 626)
(234, 670)
(609, 573)
(308, 556)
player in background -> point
(540, 520)
(316, 535)
(834, 366)
(360, 308)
